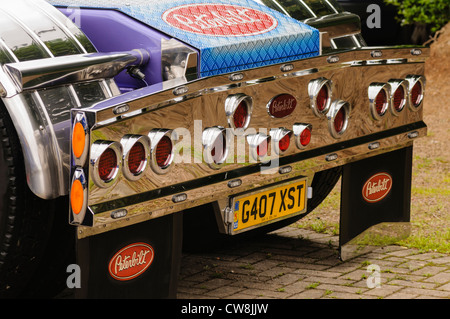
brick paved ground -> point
(301, 264)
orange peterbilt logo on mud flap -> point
(377, 187)
(131, 261)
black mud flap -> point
(375, 202)
(138, 261)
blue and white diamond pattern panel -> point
(231, 35)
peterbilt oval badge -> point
(131, 261)
(377, 187)
(282, 105)
(217, 19)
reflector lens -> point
(283, 144)
(262, 148)
(164, 152)
(322, 98)
(136, 158)
(78, 140)
(339, 120)
(107, 165)
(381, 102)
(305, 136)
(219, 149)
(416, 94)
(76, 197)
(240, 115)
(399, 98)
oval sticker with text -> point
(377, 187)
(131, 261)
(219, 19)
(282, 105)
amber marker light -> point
(80, 139)
(78, 197)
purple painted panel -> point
(112, 31)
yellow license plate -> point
(266, 206)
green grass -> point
(438, 241)
(430, 209)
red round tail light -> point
(381, 102)
(305, 137)
(281, 140)
(107, 165)
(106, 161)
(262, 148)
(219, 149)
(240, 116)
(259, 145)
(161, 151)
(215, 143)
(416, 94)
(284, 143)
(136, 155)
(164, 152)
(379, 99)
(322, 99)
(399, 99)
(320, 96)
(137, 158)
(416, 91)
(338, 118)
(398, 95)
(238, 109)
(302, 133)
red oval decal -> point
(282, 105)
(219, 19)
(131, 261)
(377, 187)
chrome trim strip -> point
(68, 69)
